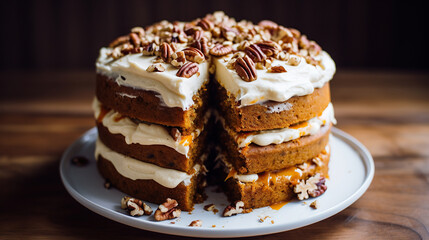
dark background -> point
(66, 34)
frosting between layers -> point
(135, 169)
(142, 133)
(175, 91)
(277, 136)
(299, 80)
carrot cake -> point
(259, 93)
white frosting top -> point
(277, 136)
(135, 169)
(297, 81)
(175, 91)
(142, 133)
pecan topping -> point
(120, 40)
(188, 70)
(179, 59)
(293, 60)
(269, 48)
(156, 68)
(149, 50)
(220, 50)
(233, 209)
(166, 51)
(167, 210)
(205, 24)
(267, 24)
(255, 53)
(314, 49)
(175, 133)
(304, 42)
(277, 69)
(135, 39)
(202, 45)
(245, 68)
(194, 55)
(314, 186)
(229, 33)
(138, 30)
(196, 223)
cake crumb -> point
(196, 223)
(211, 207)
(262, 219)
(314, 205)
(173, 222)
(213, 226)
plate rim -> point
(358, 147)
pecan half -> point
(194, 55)
(255, 53)
(313, 186)
(135, 39)
(188, 70)
(166, 51)
(120, 40)
(167, 210)
(138, 30)
(233, 209)
(205, 24)
(202, 45)
(269, 48)
(220, 50)
(277, 69)
(267, 24)
(245, 68)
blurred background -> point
(66, 34)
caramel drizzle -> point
(103, 112)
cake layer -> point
(274, 186)
(147, 105)
(151, 191)
(150, 143)
(272, 115)
(256, 159)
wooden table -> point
(42, 113)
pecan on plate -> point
(255, 53)
(194, 55)
(233, 209)
(220, 50)
(313, 186)
(196, 223)
(245, 68)
(321, 188)
(188, 70)
(167, 210)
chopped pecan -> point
(295, 32)
(282, 33)
(245, 68)
(205, 24)
(211, 207)
(233, 209)
(314, 205)
(138, 30)
(314, 49)
(194, 55)
(175, 133)
(156, 68)
(277, 69)
(255, 53)
(293, 60)
(270, 48)
(167, 210)
(124, 201)
(220, 50)
(196, 223)
(304, 42)
(202, 45)
(229, 33)
(179, 59)
(149, 50)
(313, 186)
(188, 70)
(134, 207)
(147, 209)
(267, 24)
(135, 39)
(120, 40)
(165, 52)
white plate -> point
(351, 172)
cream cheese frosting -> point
(130, 71)
(299, 80)
(135, 169)
(141, 133)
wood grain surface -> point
(42, 113)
